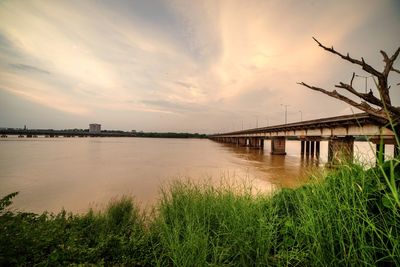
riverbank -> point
(349, 217)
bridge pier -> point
(340, 149)
(242, 141)
(278, 146)
(252, 142)
(312, 148)
(256, 142)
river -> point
(78, 173)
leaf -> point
(6, 201)
(387, 201)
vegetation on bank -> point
(350, 217)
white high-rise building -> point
(94, 128)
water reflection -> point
(283, 171)
(295, 169)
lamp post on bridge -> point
(285, 112)
(366, 80)
(301, 115)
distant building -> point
(94, 128)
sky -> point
(185, 66)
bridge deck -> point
(357, 124)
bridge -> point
(339, 131)
(64, 133)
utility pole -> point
(285, 112)
(366, 81)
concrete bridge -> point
(65, 133)
(339, 131)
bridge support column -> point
(237, 141)
(302, 147)
(385, 141)
(242, 141)
(307, 148)
(312, 148)
(278, 146)
(254, 142)
(340, 149)
(317, 149)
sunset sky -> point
(187, 66)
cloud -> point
(28, 68)
(185, 60)
(41, 93)
(184, 84)
(173, 106)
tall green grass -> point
(349, 217)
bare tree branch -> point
(382, 108)
(362, 106)
(385, 56)
(382, 77)
(352, 78)
(396, 70)
(384, 102)
(395, 55)
(389, 61)
(369, 97)
(361, 63)
(383, 85)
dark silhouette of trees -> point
(380, 106)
